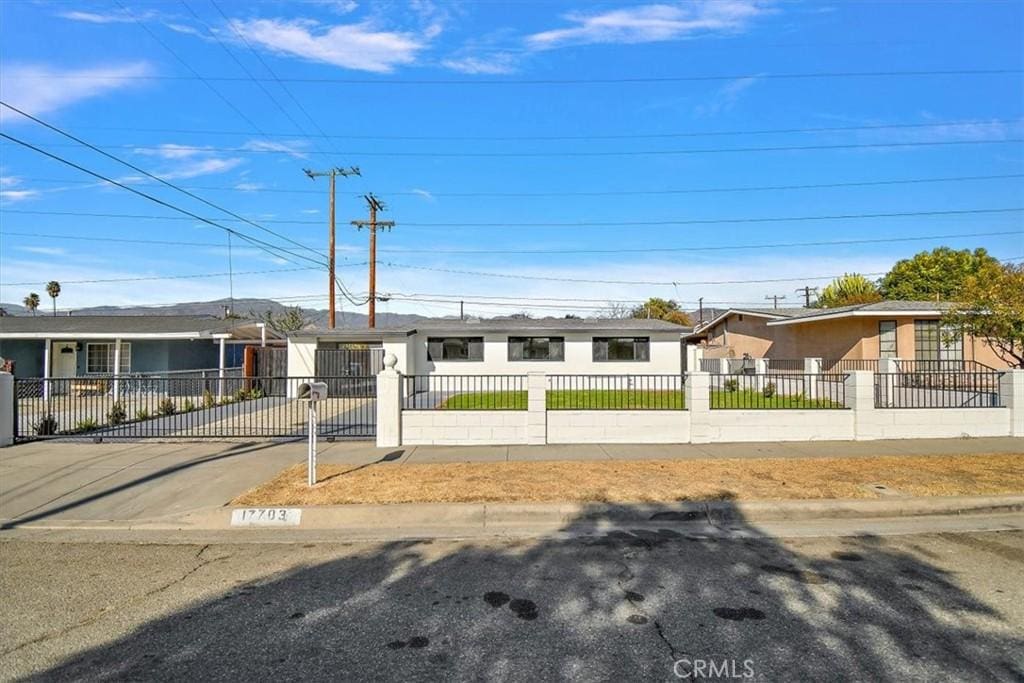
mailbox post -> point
(312, 392)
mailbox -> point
(312, 391)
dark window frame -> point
(550, 342)
(645, 343)
(444, 342)
(931, 346)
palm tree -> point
(31, 302)
(53, 289)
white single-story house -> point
(508, 346)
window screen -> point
(536, 348)
(455, 348)
(887, 339)
(611, 349)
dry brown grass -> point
(643, 481)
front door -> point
(64, 359)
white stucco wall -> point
(932, 423)
(665, 356)
(780, 425)
(463, 427)
(618, 426)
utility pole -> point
(375, 205)
(807, 291)
(462, 310)
(700, 315)
(775, 299)
(330, 174)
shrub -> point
(208, 400)
(769, 390)
(47, 426)
(117, 414)
(732, 385)
(86, 425)
(141, 414)
(227, 400)
(188, 406)
(241, 395)
(167, 407)
(256, 393)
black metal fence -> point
(948, 389)
(465, 392)
(173, 407)
(786, 366)
(942, 366)
(773, 392)
(710, 364)
(840, 365)
(616, 392)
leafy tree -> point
(850, 289)
(53, 289)
(662, 309)
(991, 308)
(936, 275)
(291, 320)
(31, 302)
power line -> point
(581, 224)
(763, 245)
(145, 173)
(586, 154)
(265, 246)
(572, 81)
(676, 283)
(608, 193)
(603, 136)
(164, 277)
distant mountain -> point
(241, 307)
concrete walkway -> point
(50, 481)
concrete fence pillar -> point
(301, 363)
(888, 366)
(6, 409)
(860, 397)
(698, 403)
(723, 366)
(537, 408)
(694, 355)
(1011, 396)
(760, 370)
(812, 368)
(389, 404)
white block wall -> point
(933, 423)
(780, 425)
(618, 426)
(463, 427)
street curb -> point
(493, 518)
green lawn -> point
(612, 399)
(755, 400)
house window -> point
(536, 348)
(887, 339)
(455, 348)
(932, 342)
(99, 358)
(622, 349)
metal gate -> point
(349, 372)
(269, 363)
(170, 407)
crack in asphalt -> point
(98, 614)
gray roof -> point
(631, 325)
(878, 307)
(111, 324)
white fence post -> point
(760, 372)
(694, 355)
(723, 366)
(537, 408)
(389, 404)
(7, 399)
(812, 366)
(1011, 395)
(698, 403)
(860, 397)
(888, 366)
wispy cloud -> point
(358, 46)
(291, 147)
(41, 89)
(12, 196)
(490, 63)
(103, 18)
(652, 23)
(172, 151)
(201, 167)
(46, 251)
(249, 187)
(423, 193)
(725, 97)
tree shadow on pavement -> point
(613, 605)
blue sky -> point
(436, 100)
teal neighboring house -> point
(79, 346)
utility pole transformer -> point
(336, 171)
(374, 205)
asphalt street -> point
(622, 606)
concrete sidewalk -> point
(56, 480)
